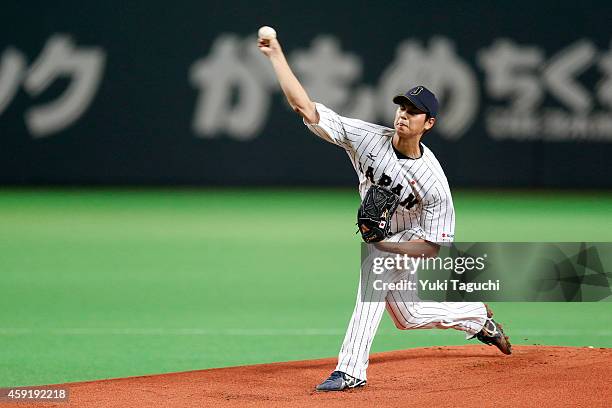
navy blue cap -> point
(420, 97)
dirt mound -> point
(473, 376)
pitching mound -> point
(473, 376)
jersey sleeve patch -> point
(438, 221)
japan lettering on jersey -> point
(426, 206)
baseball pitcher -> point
(405, 198)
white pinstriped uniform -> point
(425, 212)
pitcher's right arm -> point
(292, 88)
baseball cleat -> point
(489, 311)
(339, 381)
(493, 334)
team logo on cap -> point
(417, 90)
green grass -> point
(111, 283)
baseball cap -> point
(420, 97)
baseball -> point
(266, 33)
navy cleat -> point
(493, 334)
(339, 381)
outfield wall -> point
(156, 93)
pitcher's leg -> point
(353, 358)
(408, 312)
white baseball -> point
(266, 33)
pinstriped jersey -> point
(426, 206)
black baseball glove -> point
(375, 212)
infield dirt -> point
(463, 376)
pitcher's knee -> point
(406, 316)
(400, 324)
(405, 322)
(398, 319)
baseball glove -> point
(375, 212)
